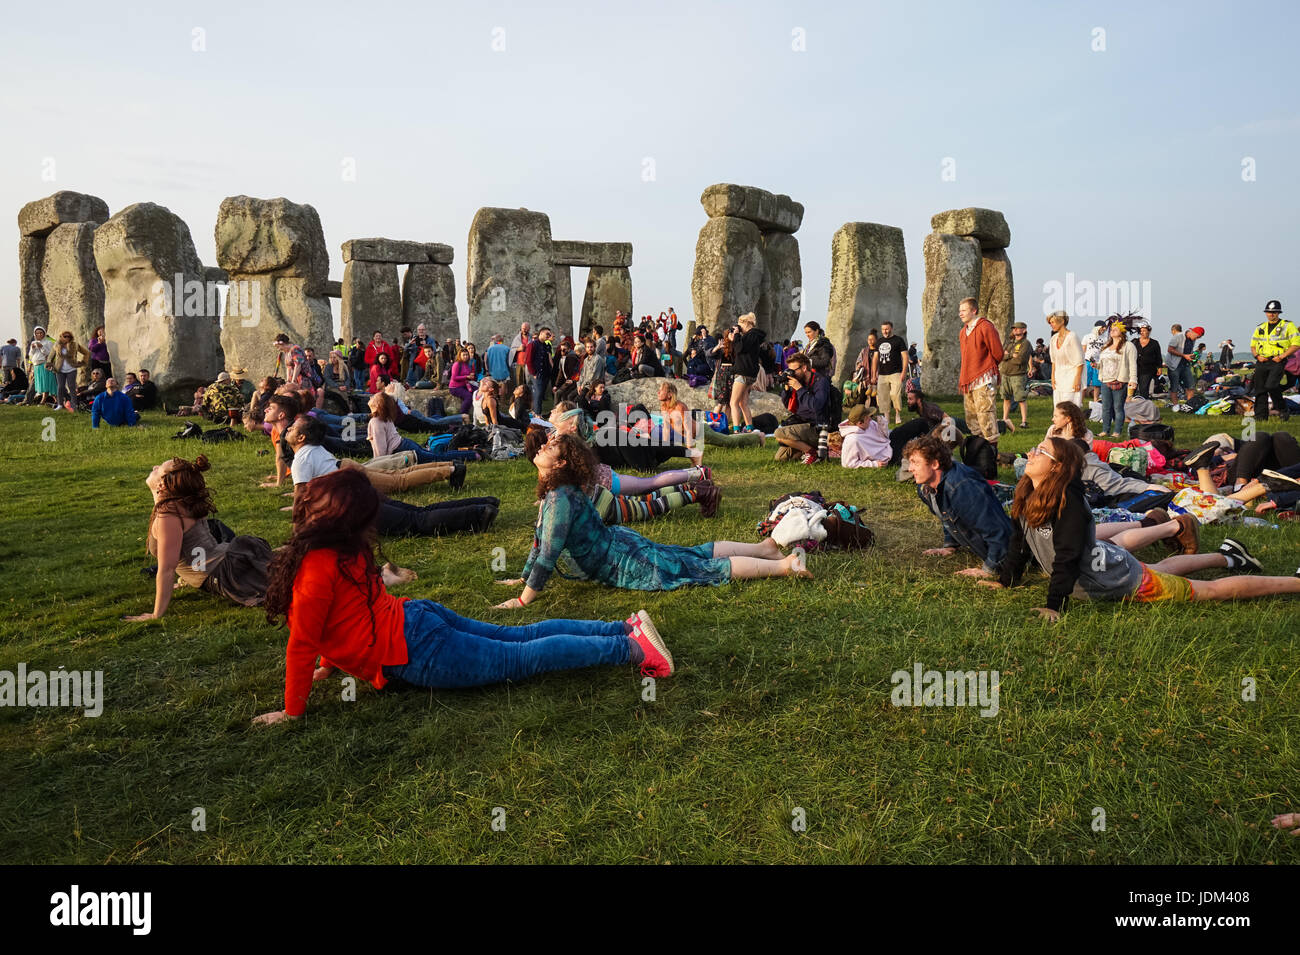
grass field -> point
(780, 711)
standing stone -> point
(952, 273)
(372, 301)
(510, 277)
(274, 251)
(868, 288)
(33, 309)
(997, 293)
(158, 311)
(608, 290)
(987, 225)
(429, 296)
(563, 300)
(781, 302)
(730, 272)
(74, 292)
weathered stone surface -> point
(333, 289)
(397, 251)
(730, 272)
(563, 300)
(614, 255)
(997, 296)
(987, 225)
(781, 302)
(33, 309)
(646, 391)
(608, 291)
(429, 296)
(372, 301)
(74, 292)
(43, 215)
(952, 273)
(214, 274)
(158, 312)
(510, 275)
(272, 237)
(868, 288)
(769, 211)
(259, 307)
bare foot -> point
(797, 564)
(1264, 506)
(395, 576)
(1288, 820)
(772, 547)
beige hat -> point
(224, 376)
(239, 372)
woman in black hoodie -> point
(747, 344)
(1053, 523)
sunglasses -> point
(1033, 451)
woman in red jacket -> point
(326, 583)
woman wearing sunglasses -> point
(1054, 525)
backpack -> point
(1135, 459)
(834, 405)
(1152, 431)
(979, 454)
(219, 435)
(845, 528)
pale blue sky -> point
(1121, 165)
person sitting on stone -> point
(112, 407)
(808, 399)
(681, 427)
(94, 388)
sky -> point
(1152, 143)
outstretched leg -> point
(767, 550)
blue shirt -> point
(498, 362)
(115, 409)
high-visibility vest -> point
(1269, 343)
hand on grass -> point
(321, 673)
(1288, 820)
(266, 719)
(1047, 614)
(139, 617)
(514, 603)
(512, 582)
(994, 584)
(974, 572)
(939, 552)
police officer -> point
(1272, 344)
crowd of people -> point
(343, 471)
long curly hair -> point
(335, 512)
(579, 466)
(1038, 504)
(1078, 423)
(183, 490)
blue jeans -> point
(425, 456)
(360, 378)
(446, 650)
(1112, 407)
(537, 385)
(414, 421)
(338, 420)
(1180, 379)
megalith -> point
(372, 300)
(159, 312)
(563, 299)
(510, 273)
(988, 226)
(868, 288)
(429, 296)
(730, 271)
(609, 290)
(747, 259)
(274, 251)
(952, 273)
(70, 277)
(997, 299)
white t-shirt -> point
(311, 461)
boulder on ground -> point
(429, 296)
(868, 288)
(42, 216)
(613, 255)
(769, 211)
(987, 225)
(952, 273)
(646, 391)
(730, 272)
(74, 292)
(159, 313)
(510, 273)
(608, 291)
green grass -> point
(782, 699)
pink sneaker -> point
(658, 661)
(810, 458)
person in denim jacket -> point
(970, 512)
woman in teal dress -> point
(616, 555)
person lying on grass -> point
(616, 555)
(326, 584)
(1054, 525)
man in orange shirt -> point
(981, 350)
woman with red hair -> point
(326, 583)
